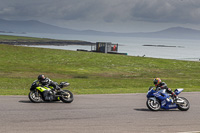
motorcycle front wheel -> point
(66, 96)
(153, 104)
(35, 97)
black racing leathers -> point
(163, 85)
(53, 84)
(47, 82)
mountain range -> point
(33, 26)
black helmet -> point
(41, 79)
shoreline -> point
(55, 43)
(151, 45)
(35, 41)
(144, 56)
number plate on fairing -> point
(172, 105)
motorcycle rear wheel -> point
(34, 97)
(185, 106)
(67, 96)
(153, 105)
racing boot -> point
(174, 97)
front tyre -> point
(185, 105)
(66, 96)
(153, 104)
(35, 97)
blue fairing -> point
(165, 100)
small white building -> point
(105, 47)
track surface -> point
(121, 113)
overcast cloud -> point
(109, 13)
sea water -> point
(180, 49)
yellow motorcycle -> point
(40, 93)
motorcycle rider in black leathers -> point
(162, 85)
(43, 81)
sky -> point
(106, 15)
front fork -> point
(36, 93)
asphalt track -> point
(120, 113)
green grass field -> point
(21, 38)
(91, 73)
(34, 40)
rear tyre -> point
(35, 97)
(153, 104)
(67, 96)
(183, 106)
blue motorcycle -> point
(159, 99)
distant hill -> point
(176, 32)
(33, 26)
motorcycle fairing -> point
(165, 100)
(42, 89)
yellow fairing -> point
(41, 89)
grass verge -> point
(91, 73)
